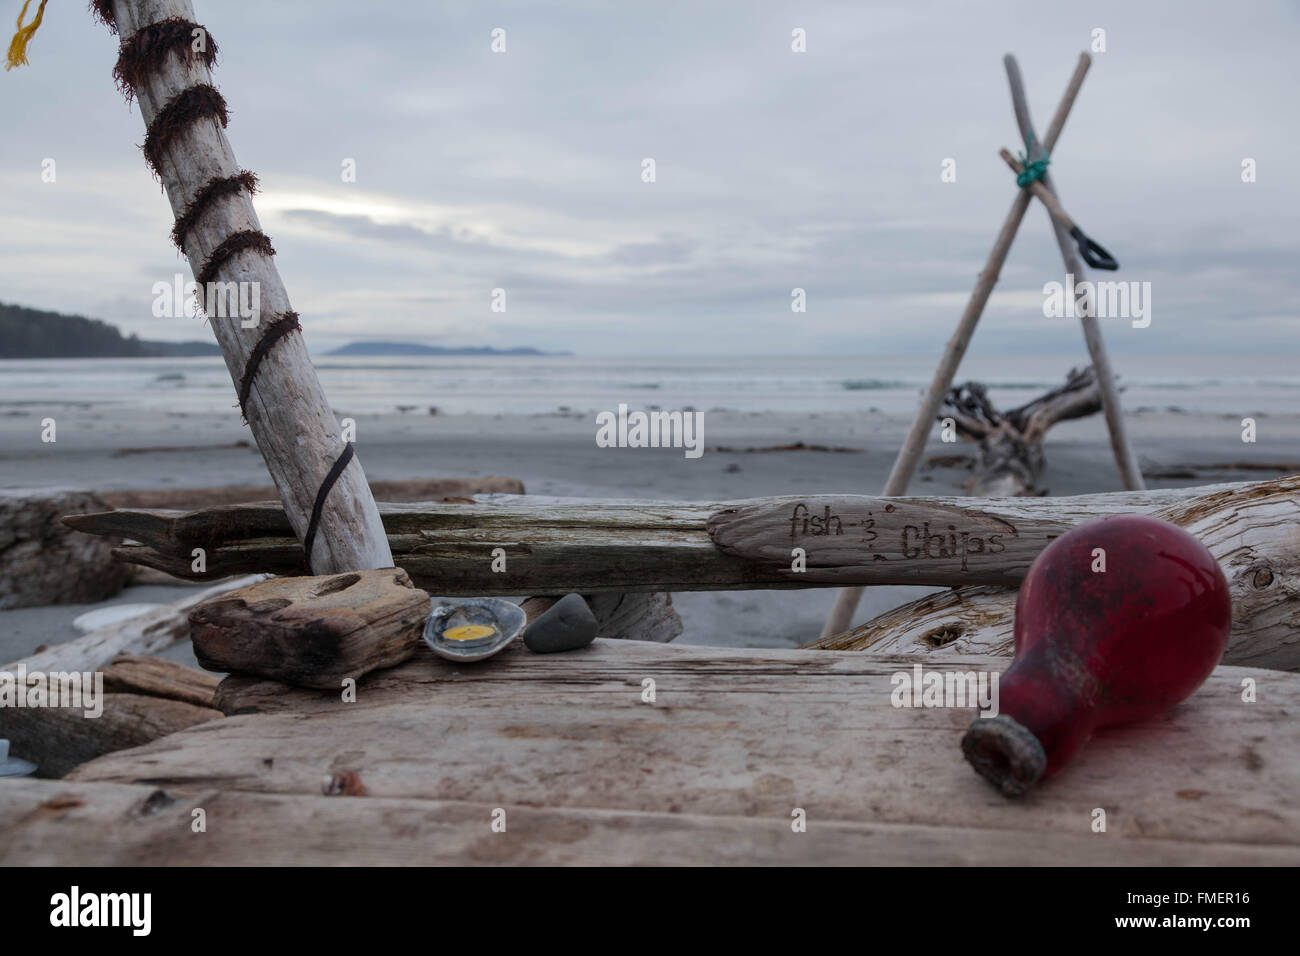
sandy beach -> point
(556, 454)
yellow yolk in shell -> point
(468, 632)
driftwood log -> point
(312, 631)
(218, 230)
(144, 699)
(712, 770)
(157, 677)
(42, 563)
(1011, 442)
(1249, 528)
(558, 545)
(146, 633)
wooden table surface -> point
(583, 770)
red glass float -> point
(1097, 647)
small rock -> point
(567, 626)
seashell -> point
(473, 629)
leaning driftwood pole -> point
(914, 444)
(164, 62)
(1129, 471)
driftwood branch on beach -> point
(554, 546)
(146, 633)
(312, 631)
(217, 228)
(1250, 529)
(1011, 442)
(914, 444)
(1108, 395)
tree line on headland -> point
(32, 333)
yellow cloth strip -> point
(18, 45)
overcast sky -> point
(775, 170)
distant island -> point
(408, 348)
(32, 333)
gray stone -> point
(567, 626)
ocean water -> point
(540, 384)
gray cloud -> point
(775, 170)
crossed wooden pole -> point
(908, 456)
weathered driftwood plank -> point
(46, 823)
(42, 562)
(312, 631)
(157, 677)
(415, 489)
(57, 739)
(140, 699)
(286, 408)
(747, 733)
(555, 546)
(147, 633)
(1250, 529)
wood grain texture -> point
(312, 631)
(157, 677)
(57, 739)
(591, 546)
(287, 411)
(120, 825)
(635, 616)
(749, 734)
(1251, 531)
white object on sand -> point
(13, 766)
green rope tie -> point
(1032, 171)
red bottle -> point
(1096, 647)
